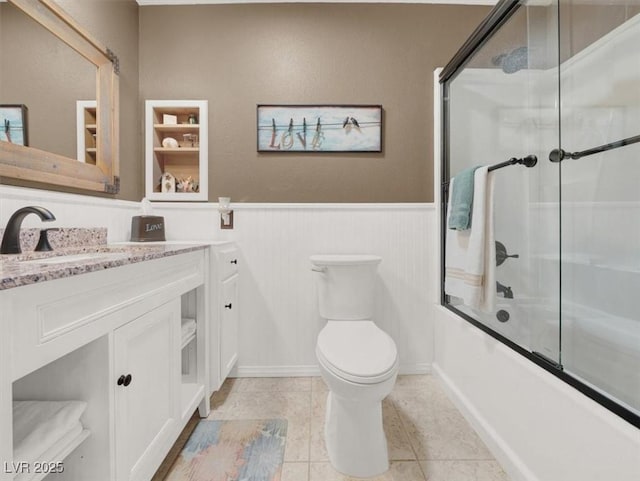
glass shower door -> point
(503, 104)
(600, 208)
(560, 81)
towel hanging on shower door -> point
(470, 254)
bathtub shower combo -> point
(545, 79)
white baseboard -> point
(416, 368)
(507, 458)
(310, 370)
(275, 371)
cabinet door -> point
(146, 403)
(229, 326)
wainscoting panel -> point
(279, 319)
(278, 308)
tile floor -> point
(427, 436)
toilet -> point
(358, 361)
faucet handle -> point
(43, 241)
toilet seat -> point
(357, 351)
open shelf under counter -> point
(188, 340)
(55, 455)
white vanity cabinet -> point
(224, 313)
(80, 337)
(229, 326)
(147, 372)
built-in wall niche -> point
(81, 375)
(86, 131)
(176, 150)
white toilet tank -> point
(346, 285)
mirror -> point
(48, 77)
(47, 159)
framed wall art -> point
(13, 124)
(319, 128)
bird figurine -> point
(355, 123)
(346, 121)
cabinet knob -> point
(234, 261)
(121, 380)
(124, 380)
(228, 306)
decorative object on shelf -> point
(169, 119)
(170, 143)
(167, 183)
(190, 140)
(187, 184)
(319, 128)
(13, 124)
(226, 212)
(192, 119)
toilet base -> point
(355, 437)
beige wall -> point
(113, 22)
(237, 56)
(46, 75)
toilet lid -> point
(358, 351)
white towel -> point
(39, 425)
(470, 255)
(53, 454)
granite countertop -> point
(15, 272)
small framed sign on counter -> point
(13, 124)
(319, 128)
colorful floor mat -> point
(232, 451)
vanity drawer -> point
(227, 261)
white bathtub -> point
(600, 349)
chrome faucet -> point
(11, 238)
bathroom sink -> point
(85, 256)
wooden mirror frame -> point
(28, 163)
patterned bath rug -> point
(232, 451)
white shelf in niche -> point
(86, 128)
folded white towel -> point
(470, 258)
(39, 425)
(53, 454)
